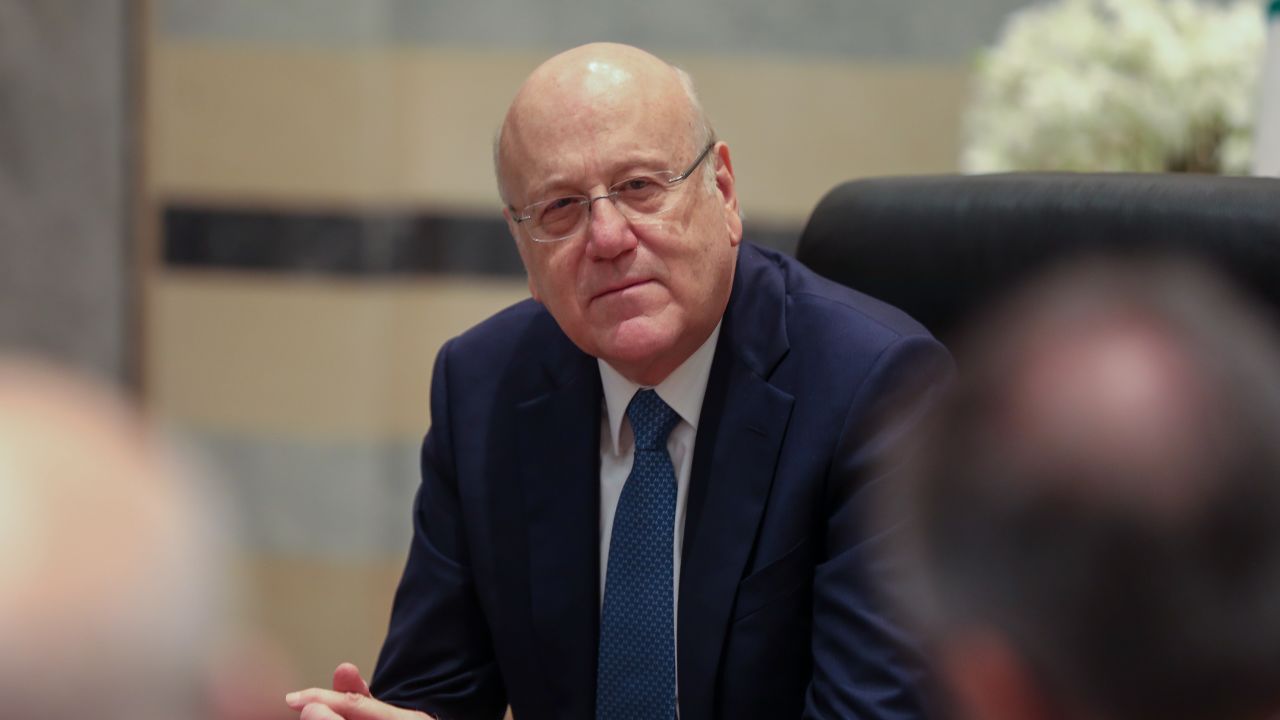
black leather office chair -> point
(941, 246)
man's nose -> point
(609, 233)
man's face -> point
(644, 294)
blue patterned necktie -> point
(636, 672)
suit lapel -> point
(558, 445)
(744, 420)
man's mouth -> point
(619, 287)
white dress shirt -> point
(683, 391)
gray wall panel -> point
(337, 499)
(64, 258)
(929, 30)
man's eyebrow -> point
(555, 186)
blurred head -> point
(109, 576)
(1094, 516)
(640, 292)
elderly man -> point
(642, 489)
(1095, 518)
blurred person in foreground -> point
(643, 488)
(112, 579)
(1093, 518)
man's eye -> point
(642, 187)
(560, 215)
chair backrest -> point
(939, 247)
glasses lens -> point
(644, 194)
(558, 218)
(638, 197)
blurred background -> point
(265, 217)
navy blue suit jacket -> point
(777, 617)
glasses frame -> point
(589, 200)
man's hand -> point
(348, 700)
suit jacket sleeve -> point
(438, 655)
(865, 666)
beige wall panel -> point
(798, 128)
(370, 125)
(315, 614)
(414, 126)
(307, 356)
(318, 613)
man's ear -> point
(727, 189)
(988, 680)
(513, 227)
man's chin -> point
(636, 344)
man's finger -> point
(318, 711)
(346, 678)
(343, 703)
(348, 705)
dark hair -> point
(1127, 548)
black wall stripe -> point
(331, 243)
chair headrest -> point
(941, 246)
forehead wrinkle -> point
(582, 150)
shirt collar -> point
(683, 389)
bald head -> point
(107, 578)
(1114, 400)
(595, 88)
(1102, 492)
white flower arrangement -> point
(1119, 85)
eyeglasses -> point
(637, 198)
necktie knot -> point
(652, 420)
